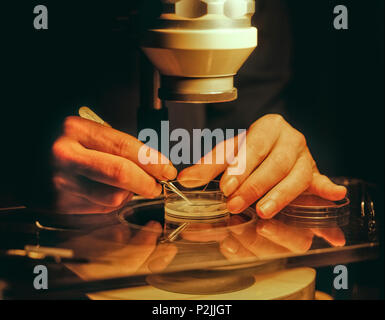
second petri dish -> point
(311, 211)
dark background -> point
(88, 57)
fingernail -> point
(170, 173)
(230, 245)
(267, 209)
(268, 228)
(158, 264)
(230, 186)
(236, 204)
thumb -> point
(200, 174)
(212, 164)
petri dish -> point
(200, 207)
(311, 211)
(203, 220)
(203, 201)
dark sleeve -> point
(263, 79)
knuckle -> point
(57, 148)
(259, 150)
(282, 162)
(60, 150)
(59, 182)
(120, 172)
(70, 124)
(124, 145)
(270, 119)
(254, 191)
(301, 139)
(276, 118)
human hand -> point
(97, 170)
(278, 168)
(272, 237)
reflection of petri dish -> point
(311, 211)
(137, 216)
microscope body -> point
(197, 46)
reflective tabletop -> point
(133, 246)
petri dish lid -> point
(315, 211)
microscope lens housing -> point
(198, 46)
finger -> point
(117, 234)
(72, 204)
(104, 168)
(95, 192)
(132, 256)
(212, 164)
(325, 188)
(272, 170)
(334, 236)
(258, 245)
(233, 250)
(297, 181)
(161, 257)
(237, 224)
(98, 137)
(139, 247)
(294, 239)
(148, 234)
(260, 140)
(144, 243)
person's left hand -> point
(278, 168)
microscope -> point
(191, 51)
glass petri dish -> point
(202, 219)
(194, 206)
(200, 202)
(311, 211)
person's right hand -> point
(96, 168)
